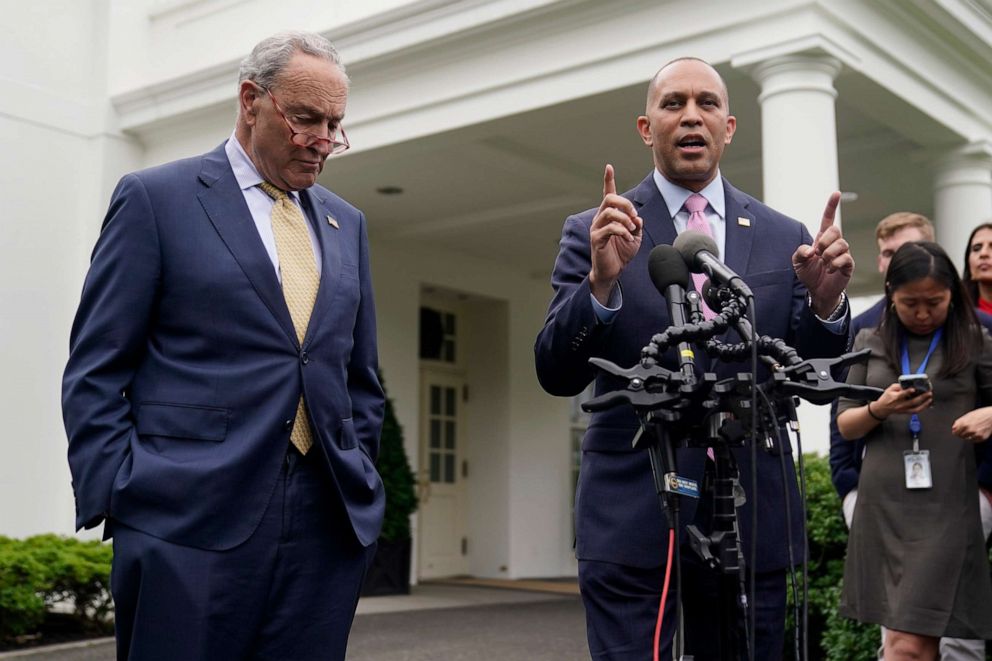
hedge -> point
(38, 572)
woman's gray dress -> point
(916, 559)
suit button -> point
(288, 425)
(305, 357)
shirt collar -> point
(675, 196)
(245, 172)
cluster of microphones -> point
(670, 266)
(651, 387)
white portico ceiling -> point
(502, 189)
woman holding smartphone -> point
(916, 560)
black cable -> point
(788, 523)
(752, 606)
(802, 505)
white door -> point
(442, 545)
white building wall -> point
(195, 33)
(486, 338)
(57, 157)
(518, 435)
(540, 452)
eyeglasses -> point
(300, 138)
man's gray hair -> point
(270, 56)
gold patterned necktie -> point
(299, 283)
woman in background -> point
(916, 560)
(978, 267)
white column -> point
(962, 197)
(798, 134)
(799, 164)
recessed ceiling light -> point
(389, 190)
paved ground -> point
(437, 623)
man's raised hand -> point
(826, 266)
(614, 238)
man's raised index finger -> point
(830, 212)
(609, 183)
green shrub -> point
(78, 572)
(38, 572)
(397, 478)
(22, 581)
(832, 637)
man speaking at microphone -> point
(605, 305)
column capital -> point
(800, 72)
(968, 164)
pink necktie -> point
(695, 204)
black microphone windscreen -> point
(690, 242)
(666, 267)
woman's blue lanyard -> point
(914, 422)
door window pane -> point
(449, 435)
(449, 401)
(435, 400)
(435, 436)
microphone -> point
(670, 276)
(702, 256)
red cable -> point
(664, 593)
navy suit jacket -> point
(845, 456)
(618, 518)
(185, 371)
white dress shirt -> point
(260, 204)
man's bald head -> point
(653, 85)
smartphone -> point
(921, 382)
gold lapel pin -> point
(332, 222)
(743, 222)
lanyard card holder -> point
(916, 464)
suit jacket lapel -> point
(739, 236)
(330, 249)
(651, 207)
(225, 206)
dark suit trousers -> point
(622, 603)
(288, 593)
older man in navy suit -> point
(221, 398)
(605, 305)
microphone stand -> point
(676, 411)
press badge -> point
(917, 467)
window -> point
(438, 330)
(441, 449)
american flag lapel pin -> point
(332, 221)
(743, 222)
